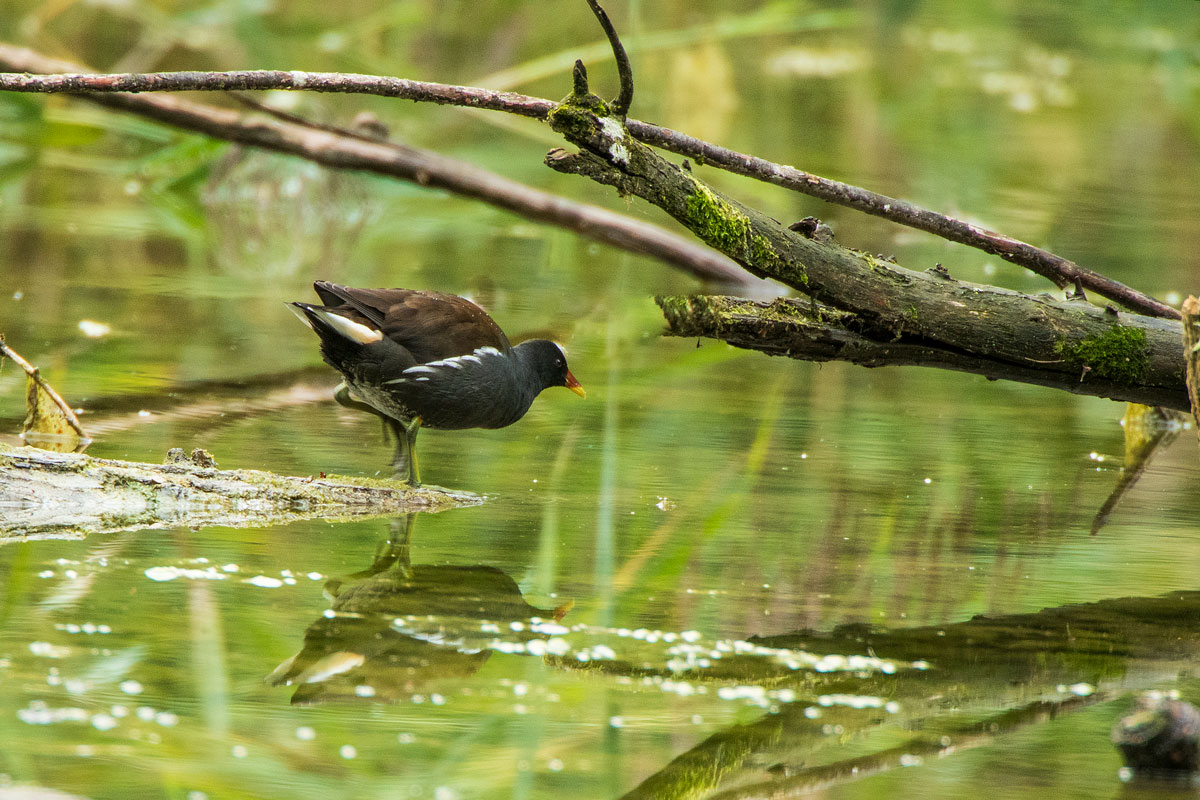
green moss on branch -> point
(1118, 354)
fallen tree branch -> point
(1061, 271)
(34, 375)
(1122, 353)
(48, 495)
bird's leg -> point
(342, 396)
(405, 433)
(405, 460)
(410, 432)
(399, 541)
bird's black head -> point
(547, 361)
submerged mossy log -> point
(48, 495)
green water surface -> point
(717, 571)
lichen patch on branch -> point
(1118, 354)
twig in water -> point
(37, 381)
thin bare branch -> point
(1061, 271)
(620, 106)
(351, 150)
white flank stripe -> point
(422, 379)
(349, 328)
(471, 358)
(453, 363)
(487, 351)
(420, 368)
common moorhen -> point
(428, 359)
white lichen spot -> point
(613, 132)
(611, 128)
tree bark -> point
(69, 495)
(811, 331)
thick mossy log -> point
(811, 331)
(47, 495)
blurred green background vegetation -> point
(698, 488)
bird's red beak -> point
(573, 385)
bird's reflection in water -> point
(395, 627)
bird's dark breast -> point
(436, 408)
(454, 404)
(482, 392)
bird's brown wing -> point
(430, 325)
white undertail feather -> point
(352, 330)
(299, 312)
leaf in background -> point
(46, 426)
